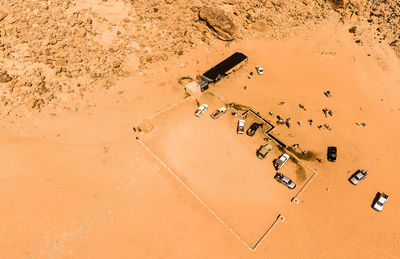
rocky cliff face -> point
(56, 50)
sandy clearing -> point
(220, 166)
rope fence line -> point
(252, 249)
(195, 195)
(266, 233)
(168, 107)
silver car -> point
(380, 201)
(260, 70)
(284, 180)
(358, 176)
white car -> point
(260, 70)
(380, 202)
(240, 127)
(278, 163)
(199, 112)
(215, 115)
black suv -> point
(253, 128)
(332, 154)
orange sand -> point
(78, 184)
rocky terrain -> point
(52, 51)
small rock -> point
(31, 103)
(61, 62)
(5, 78)
(116, 64)
(80, 32)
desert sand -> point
(77, 180)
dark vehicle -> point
(284, 180)
(358, 176)
(332, 154)
(263, 151)
(253, 128)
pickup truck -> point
(263, 151)
(215, 115)
(199, 112)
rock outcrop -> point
(219, 22)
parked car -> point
(199, 112)
(278, 163)
(380, 201)
(215, 115)
(358, 176)
(253, 128)
(260, 70)
(240, 127)
(263, 151)
(332, 154)
(284, 180)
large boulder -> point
(219, 22)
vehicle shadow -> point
(378, 194)
(274, 165)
